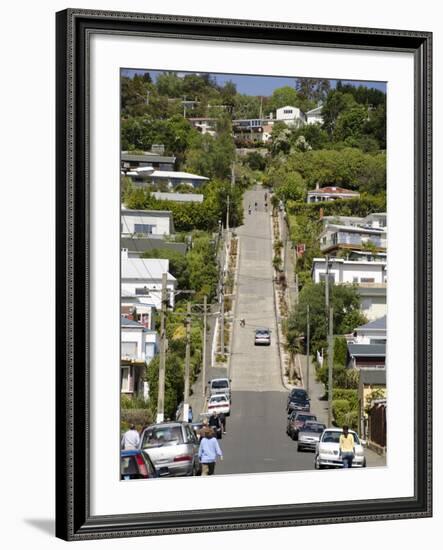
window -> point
(144, 228)
(367, 280)
(142, 291)
(366, 304)
(129, 349)
(355, 279)
(126, 382)
(331, 277)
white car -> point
(327, 451)
(220, 404)
(262, 337)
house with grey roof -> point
(138, 345)
(362, 356)
(373, 332)
(131, 161)
(146, 223)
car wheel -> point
(299, 449)
(364, 463)
(317, 464)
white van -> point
(220, 386)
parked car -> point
(220, 404)
(220, 386)
(296, 421)
(327, 451)
(309, 435)
(172, 447)
(262, 337)
(136, 464)
(298, 400)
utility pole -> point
(205, 305)
(227, 218)
(307, 348)
(222, 320)
(330, 366)
(187, 364)
(162, 367)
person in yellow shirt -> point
(346, 446)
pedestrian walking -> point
(249, 209)
(131, 439)
(208, 452)
(242, 322)
(214, 423)
(347, 447)
(222, 418)
(190, 414)
(255, 206)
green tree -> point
(350, 124)
(169, 84)
(335, 104)
(344, 300)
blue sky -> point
(258, 84)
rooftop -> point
(373, 376)
(333, 190)
(367, 350)
(378, 324)
(165, 174)
(145, 269)
(124, 322)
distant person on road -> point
(131, 439)
(190, 414)
(266, 196)
(208, 452)
(215, 424)
(249, 209)
(242, 322)
(255, 206)
(222, 418)
(347, 447)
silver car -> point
(262, 337)
(327, 453)
(172, 447)
(309, 435)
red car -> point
(296, 421)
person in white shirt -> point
(131, 439)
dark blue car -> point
(136, 464)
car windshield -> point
(334, 437)
(218, 398)
(160, 436)
(262, 332)
(304, 417)
(299, 395)
(315, 428)
(217, 384)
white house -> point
(330, 193)
(146, 222)
(337, 237)
(132, 308)
(373, 332)
(369, 276)
(142, 277)
(205, 125)
(314, 116)
(138, 347)
(376, 220)
(291, 116)
(342, 271)
(172, 179)
(372, 300)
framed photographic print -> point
(230, 342)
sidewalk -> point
(319, 407)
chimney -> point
(317, 185)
